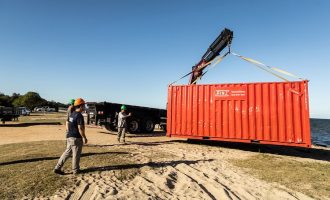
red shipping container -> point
(266, 113)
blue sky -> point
(129, 51)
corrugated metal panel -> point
(269, 113)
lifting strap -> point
(260, 65)
(213, 63)
(180, 78)
(267, 68)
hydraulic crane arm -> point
(223, 40)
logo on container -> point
(231, 93)
(222, 93)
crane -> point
(221, 42)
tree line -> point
(29, 100)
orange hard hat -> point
(79, 102)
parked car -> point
(44, 109)
(51, 110)
(38, 109)
(24, 111)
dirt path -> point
(169, 169)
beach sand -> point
(186, 171)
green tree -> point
(30, 100)
(14, 96)
(5, 100)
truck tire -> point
(133, 125)
(110, 127)
(163, 127)
(148, 126)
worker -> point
(122, 125)
(68, 113)
(70, 108)
(74, 139)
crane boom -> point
(222, 41)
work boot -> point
(76, 172)
(58, 171)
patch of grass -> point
(26, 168)
(310, 178)
(43, 117)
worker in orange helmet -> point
(74, 138)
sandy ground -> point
(191, 172)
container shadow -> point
(136, 143)
(157, 134)
(312, 153)
(153, 143)
(30, 124)
(140, 165)
(137, 135)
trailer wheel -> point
(133, 125)
(148, 126)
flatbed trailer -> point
(8, 113)
(143, 119)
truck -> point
(24, 111)
(8, 113)
(143, 119)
